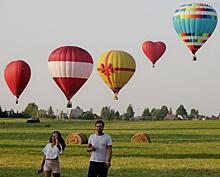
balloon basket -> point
(115, 97)
(194, 58)
(69, 105)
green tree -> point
(117, 115)
(170, 111)
(130, 113)
(146, 112)
(105, 112)
(88, 115)
(152, 110)
(0, 111)
(157, 114)
(124, 116)
(42, 113)
(181, 111)
(194, 113)
(11, 113)
(31, 110)
(164, 111)
(112, 114)
(50, 112)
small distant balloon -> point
(195, 23)
(17, 75)
(70, 67)
(116, 68)
(153, 50)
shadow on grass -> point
(140, 172)
(122, 172)
(170, 156)
(158, 128)
(183, 138)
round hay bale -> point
(140, 138)
(76, 138)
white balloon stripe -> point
(195, 7)
(195, 37)
(70, 69)
(194, 43)
(195, 13)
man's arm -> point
(109, 153)
(90, 148)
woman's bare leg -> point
(56, 174)
(47, 173)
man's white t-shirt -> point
(100, 143)
(52, 152)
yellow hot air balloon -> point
(116, 68)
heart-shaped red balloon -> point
(153, 50)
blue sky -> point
(31, 30)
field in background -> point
(177, 148)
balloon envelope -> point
(70, 67)
(194, 24)
(17, 75)
(153, 50)
(116, 68)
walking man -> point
(100, 147)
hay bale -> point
(140, 138)
(76, 138)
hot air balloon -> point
(194, 24)
(70, 67)
(116, 68)
(153, 50)
(17, 75)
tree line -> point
(32, 110)
(148, 114)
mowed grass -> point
(177, 148)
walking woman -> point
(55, 147)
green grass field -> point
(177, 148)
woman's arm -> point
(42, 165)
(57, 143)
(43, 162)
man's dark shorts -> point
(97, 169)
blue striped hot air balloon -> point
(194, 24)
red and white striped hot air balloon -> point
(70, 68)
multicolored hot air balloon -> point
(153, 50)
(70, 68)
(17, 75)
(116, 68)
(194, 24)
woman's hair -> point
(60, 139)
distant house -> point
(183, 117)
(97, 117)
(218, 117)
(170, 117)
(75, 113)
(137, 118)
(212, 118)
